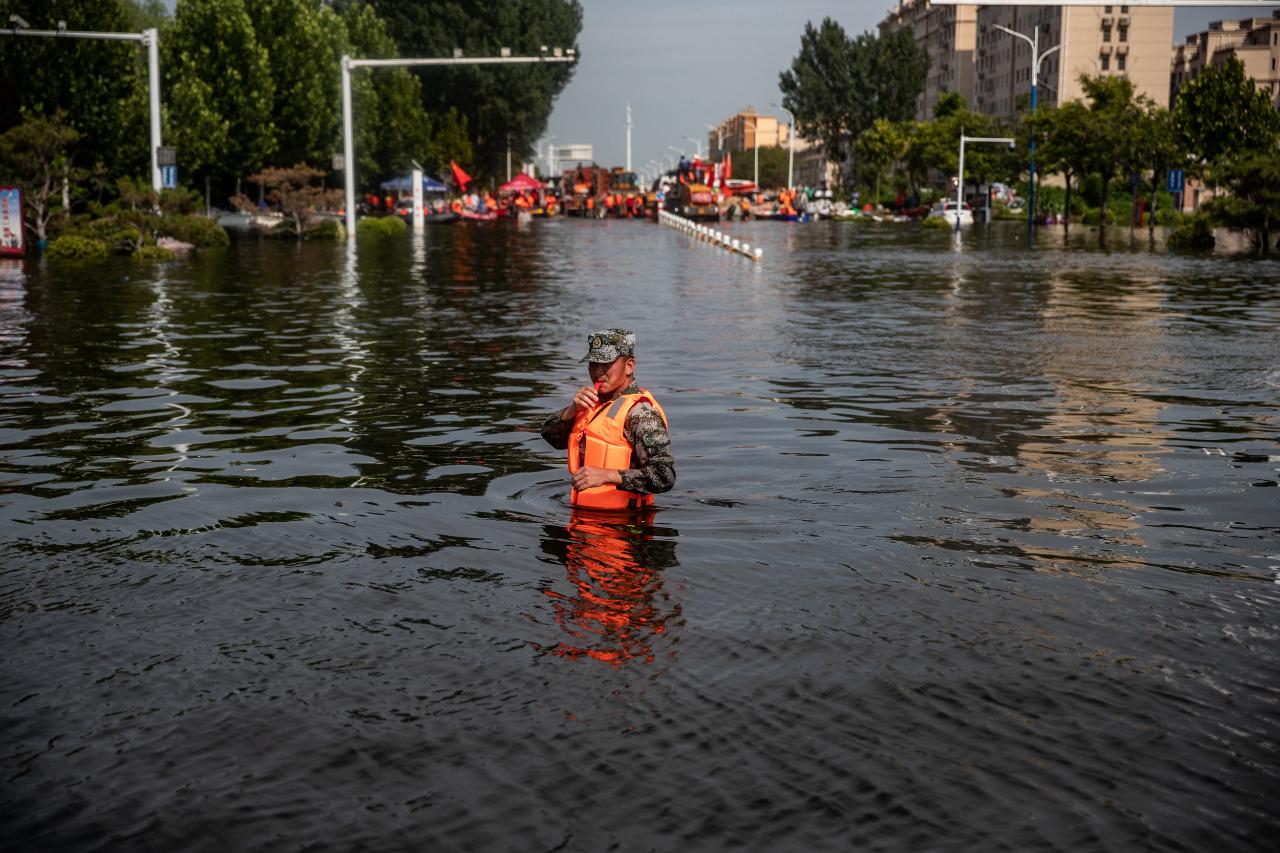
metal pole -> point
(629, 126)
(960, 181)
(348, 143)
(151, 38)
(1031, 175)
(348, 147)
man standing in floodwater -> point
(615, 431)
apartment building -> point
(1253, 41)
(947, 34)
(1121, 40)
(739, 132)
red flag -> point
(728, 166)
(459, 176)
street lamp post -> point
(149, 37)
(696, 142)
(1036, 59)
(791, 141)
(960, 178)
(755, 132)
(629, 126)
(348, 141)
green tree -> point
(101, 86)
(1221, 112)
(1113, 119)
(504, 106)
(220, 89)
(140, 15)
(1253, 179)
(1159, 149)
(37, 155)
(773, 165)
(304, 42)
(1064, 135)
(837, 87)
(391, 127)
(880, 147)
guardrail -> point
(709, 235)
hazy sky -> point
(695, 62)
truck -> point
(582, 189)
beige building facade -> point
(947, 34)
(1109, 40)
(1253, 41)
(739, 133)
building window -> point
(1106, 10)
(1124, 34)
(1106, 34)
(1120, 61)
(1124, 10)
(1106, 63)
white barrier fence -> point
(709, 235)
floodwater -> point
(972, 548)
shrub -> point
(74, 247)
(938, 223)
(383, 226)
(1193, 234)
(326, 229)
(153, 253)
(194, 229)
(181, 201)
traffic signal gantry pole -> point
(149, 37)
(348, 141)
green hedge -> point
(194, 229)
(73, 247)
(1194, 233)
(153, 253)
(938, 223)
(382, 225)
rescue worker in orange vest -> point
(614, 431)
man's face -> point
(613, 376)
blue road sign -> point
(169, 177)
(1177, 180)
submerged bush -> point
(938, 223)
(326, 229)
(1194, 233)
(197, 230)
(74, 247)
(383, 225)
(153, 253)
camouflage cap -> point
(606, 345)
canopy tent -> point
(404, 184)
(521, 183)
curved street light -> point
(1035, 76)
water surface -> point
(972, 547)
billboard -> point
(11, 221)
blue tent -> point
(404, 184)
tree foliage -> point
(294, 192)
(220, 89)
(1253, 205)
(38, 156)
(1221, 113)
(501, 105)
(837, 87)
(100, 86)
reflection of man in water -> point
(618, 609)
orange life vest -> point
(456, 205)
(598, 440)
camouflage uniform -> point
(653, 468)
